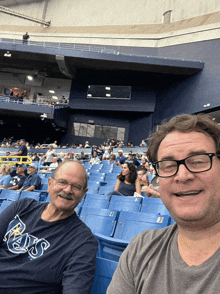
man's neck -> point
(197, 246)
(50, 214)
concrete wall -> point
(105, 12)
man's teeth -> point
(187, 194)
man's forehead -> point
(182, 142)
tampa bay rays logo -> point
(19, 243)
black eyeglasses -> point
(63, 184)
(195, 163)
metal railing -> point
(11, 100)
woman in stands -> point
(127, 183)
(146, 187)
(112, 159)
(6, 170)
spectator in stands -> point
(119, 157)
(54, 164)
(112, 159)
(145, 155)
(138, 156)
(33, 181)
(87, 144)
(143, 143)
(17, 181)
(129, 159)
(6, 170)
(113, 143)
(144, 161)
(51, 237)
(22, 151)
(106, 149)
(38, 146)
(98, 150)
(54, 144)
(95, 159)
(35, 157)
(27, 145)
(49, 156)
(146, 187)
(185, 154)
(25, 38)
(6, 154)
(130, 144)
(127, 183)
(71, 155)
(82, 156)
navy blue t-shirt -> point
(23, 148)
(44, 257)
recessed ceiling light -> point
(52, 91)
(89, 95)
(54, 97)
(108, 95)
(107, 88)
(30, 78)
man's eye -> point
(62, 182)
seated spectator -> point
(121, 143)
(54, 144)
(106, 149)
(105, 157)
(112, 159)
(113, 143)
(142, 176)
(95, 159)
(35, 157)
(49, 156)
(38, 146)
(138, 156)
(143, 143)
(145, 155)
(127, 183)
(144, 161)
(119, 157)
(129, 159)
(130, 144)
(7, 159)
(71, 155)
(17, 181)
(98, 150)
(82, 156)
(6, 171)
(33, 181)
(54, 164)
(87, 144)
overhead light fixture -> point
(54, 97)
(108, 95)
(52, 91)
(7, 54)
(30, 78)
(107, 88)
(89, 95)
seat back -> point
(101, 221)
(29, 194)
(131, 224)
(125, 203)
(96, 202)
(12, 195)
(103, 274)
(153, 205)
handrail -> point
(14, 162)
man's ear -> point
(49, 184)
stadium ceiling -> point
(7, 3)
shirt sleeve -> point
(5, 217)
(6, 180)
(79, 272)
(35, 181)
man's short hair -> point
(184, 123)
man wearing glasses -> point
(184, 257)
(44, 247)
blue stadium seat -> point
(5, 204)
(131, 224)
(29, 194)
(125, 203)
(95, 177)
(105, 189)
(103, 274)
(110, 177)
(98, 196)
(12, 195)
(102, 221)
(153, 205)
(93, 187)
(95, 168)
(96, 202)
(116, 169)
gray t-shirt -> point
(151, 264)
